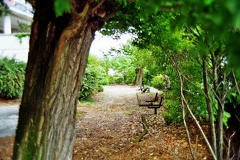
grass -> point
(89, 103)
(130, 112)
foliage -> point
(89, 85)
(12, 75)
(157, 81)
(131, 57)
(226, 116)
(61, 7)
(93, 79)
(118, 80)
(223, 15)
(4, 9)
(122, 65)
(172, 104)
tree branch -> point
(236, 83)
(184, 120)
(229, 145)
(96, 7)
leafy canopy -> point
(220, 18)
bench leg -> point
(155, 110)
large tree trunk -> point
(57, 59)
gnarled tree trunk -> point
(57, 59)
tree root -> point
(145, 129)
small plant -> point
(12, 75)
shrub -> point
(157, 81)
(12, 75)
(95, 76)
(174, 115)
(104, 80)
(89, 84)
(118, 79)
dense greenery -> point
(12, 75)
(93, 79)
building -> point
(17, 21)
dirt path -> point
(107, 128)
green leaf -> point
(226, 116)
(237, 20)
(208, 2)
(61, 7)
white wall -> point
(10, 46)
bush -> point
(118, 79)
(104, 80)
(89, 84)
(157, 81)
(95, 76)
(174, 115)
(12, 75)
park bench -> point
(155, 103)
(143, 98)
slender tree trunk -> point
(139, 78)
(209, 106)
(57, 59)
(218, 92)
(184, 115)
(220, 131)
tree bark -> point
(58, 53)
